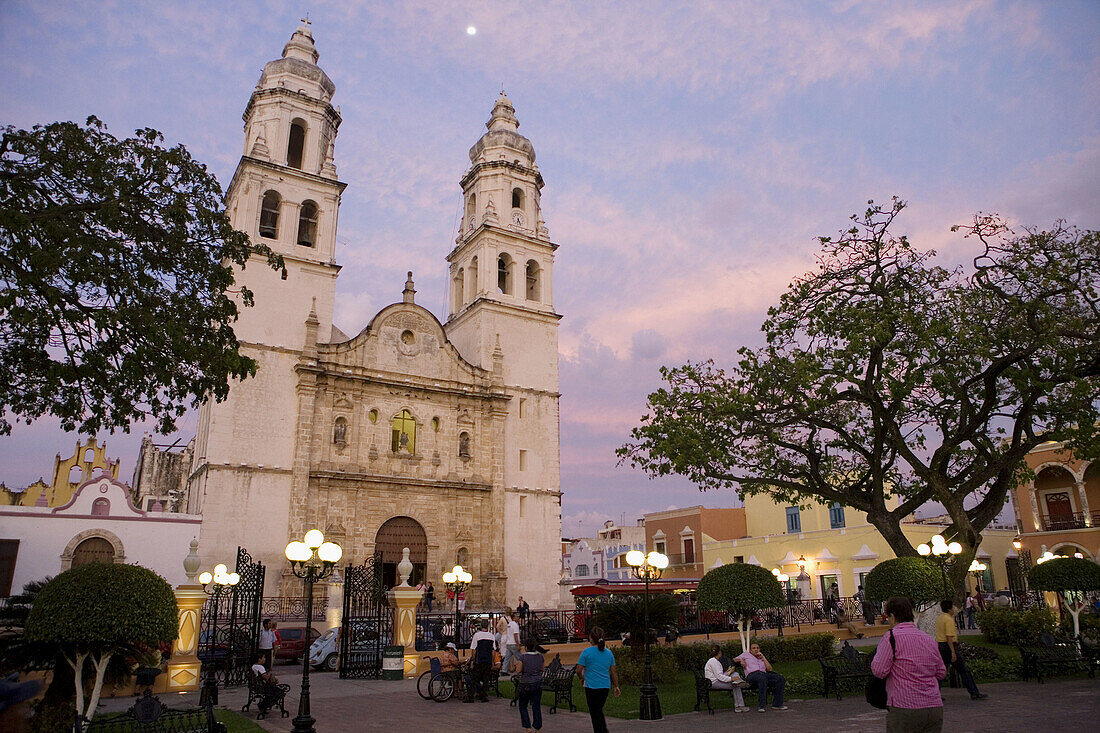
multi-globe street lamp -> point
(647, 568)
(311, 559)
(457, 580)
(213, 584)
(782, 578)
(942, 551)
(977, 568)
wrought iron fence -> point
(292, 608)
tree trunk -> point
(743, 631)
(889, 526)
(77, 663)
(100, 672)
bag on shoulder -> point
(876, 686)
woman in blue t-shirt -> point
(597, 670)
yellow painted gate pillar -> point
(404, 599)
(184, 665)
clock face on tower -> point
(517, 218)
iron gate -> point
(365, 629)
(236, 637)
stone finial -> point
(42, 499)
(300, 45)
(541, 230)
(503, 116)
(309, 349)
(328, 170)
(191, 562)
(404, 568)
(259, 148)
(490, 216)
(409, 293)
(498, 363)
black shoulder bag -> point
(876, 686)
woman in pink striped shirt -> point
(910, 662)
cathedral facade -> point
(440, 437)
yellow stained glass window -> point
(404, 433)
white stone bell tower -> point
(502, 311)
(284, 194)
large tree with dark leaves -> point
(115, 260)
(887, 381)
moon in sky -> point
(470, 30)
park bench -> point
(557, 679)
(150, 715)
(265, 696)
(703, 689)
(1052, 653)
(848, 665)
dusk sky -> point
(691, 152)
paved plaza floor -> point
(349, 706)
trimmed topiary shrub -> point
(93, 611)
(739, 589)
(1009, 626)
(915, 578)
(1071, 578)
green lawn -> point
(237, 722)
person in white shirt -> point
(720, 680)
(267, 643)
(510, 644)
(482, 644)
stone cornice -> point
(330, 372)
(391, 481)
(476, 168)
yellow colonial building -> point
(838, 545)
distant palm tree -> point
(626, 614)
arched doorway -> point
(93, 549)
(394, 535)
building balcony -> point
(683, 559)
(1062, 522)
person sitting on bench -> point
(272, 693)
(724, 679)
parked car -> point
(550, 631)
(324, 653)
(292, 643)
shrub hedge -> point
(787, 649)
(1009, 626)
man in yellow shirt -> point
(947, 636)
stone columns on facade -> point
(184, 665)
(302, 506)
(404, 599)
(1086, 514)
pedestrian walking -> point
(529, 689)
(596, 668)
(909, 661)
(429, 596)
(482, 645)
(947, 639)
(510, 647)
